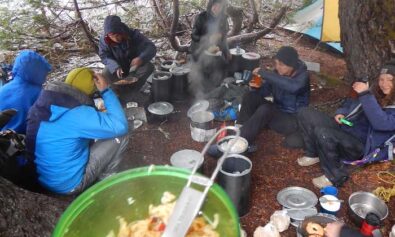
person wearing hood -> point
(29, 72)
(126, 53)
(209, 48)
(361, 131)
(72, 143)
(289, 85)
(210, 29)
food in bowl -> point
(155, 224)
(239, 146)
(314, 229)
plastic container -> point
(329, 190)
(330, 207)
(128, 194)
(235, 178)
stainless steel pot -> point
(202, 120)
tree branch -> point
(85, 28)
(253, 18)
(236, 15)
(251, 37)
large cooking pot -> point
(128, 194)
(161, 86)
(236, 63)
(167, 65)
(251, 61)
(179, 88)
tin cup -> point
(329, 190)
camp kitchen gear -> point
(330, 204)
(247, 76)
(298, 215)
(240, 146)
(329, 190)
(187, 159)
(325, 199)
(201, 105)
(251, 61)
(167, 65)
(321, 219)
(297, 197)
(361, 203)
(129, 194)
(161, 86)
(160, 110)
(202, 126)
(236, 63)
(371, 223)
(191, 198)
(179, 88)
(133, 113)
(235, 178)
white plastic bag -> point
(280, 220)
(268, 230)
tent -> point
(319, 20)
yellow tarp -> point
(330, 22)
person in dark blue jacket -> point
(72, 143)
(126, 53)
(332, 142)
(289, 85)
(29, 73)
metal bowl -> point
(239, 147)
(361, 203)
(321, 219)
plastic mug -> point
(329, 190)
(330, 207)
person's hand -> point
(136, 62)
(338, 117)
(256, 71)
(119, 73)
(100, 82)
(360, 87)
(333, 229)
(215, 38)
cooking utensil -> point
(201, 105)
(297, 197)
(323, 199)
(161, 86)
(361, 203)
(191, 199)
(160, 108)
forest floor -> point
(274, 167)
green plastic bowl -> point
(128, 194)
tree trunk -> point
(236, 15)
(253, 18)
(174, 41)
(367, 27)
(24, 213)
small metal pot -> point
(240, 147)
(167, 65)
(161, 86)
(251, 61)
(361, 203)
(203, 120)
(236, 63)
(179, 88)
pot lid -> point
(160, 108)
(202, 117)
(235, 52)
(186, 159)
(251, 56)
(300, 214)
(201, 105)
(219, 53)
(297, 197)
(180, 70)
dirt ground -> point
(274, 167)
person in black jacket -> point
(289, 85)
(126, 53)
(209, 48)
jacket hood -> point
(113, 24)
(210, 5)
(31, 67)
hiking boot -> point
(321, 182)
(307, 161)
